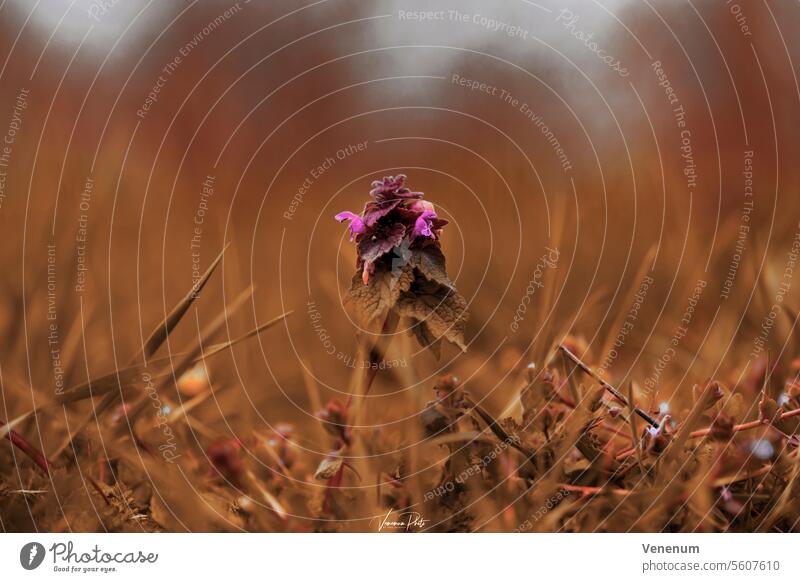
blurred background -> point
(644, 141)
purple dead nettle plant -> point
(401, 273)
(400, 277)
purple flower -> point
(423, 224)
(357, 225)
(400, 268)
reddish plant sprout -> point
(22, 443)
(768, 410)
(447, 390)
(334, 420)
(225, 457)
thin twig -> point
(616, 393)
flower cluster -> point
(401, 275)
(395, 220)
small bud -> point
(226, 459)
(447, 389)
(768, 410)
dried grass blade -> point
(616, 393)
(160, 333)
(634, 430)
(101, 385)
(186, 407)
(186, 360)
(221, 347)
